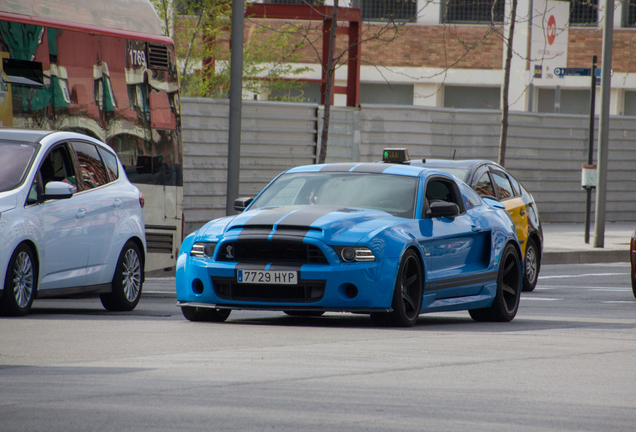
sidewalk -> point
(564, 243)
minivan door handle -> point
(117, 203)
(81, 213)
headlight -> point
(203, 249)
(355, 254)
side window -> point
(515, 185)
(443, 190)
(484, 186)
(92, 167)
(503, 185)
(472, 197)
(111, 164)
(56, 166)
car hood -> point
(331, 224)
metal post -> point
(603, 127)
(236, 94)
(590, 150)
(557, 99)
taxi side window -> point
(93, 171)
(484, 186)
(515, 185)
(503, 185)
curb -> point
(585, 257)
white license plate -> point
(267, 277)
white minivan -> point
(71, 224)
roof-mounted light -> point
(395, 155)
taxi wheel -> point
(504, 306)
(20, 283)
(205, 314)
(530, 267)
(127, 281)
(407, 297)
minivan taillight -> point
(142, 201)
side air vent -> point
(158, 56)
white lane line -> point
(619, 301)
(539, 298)
(582, 275)
(611, 289)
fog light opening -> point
(351, 291)
(197, 286)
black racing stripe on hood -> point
(308, 215)
(267, 217)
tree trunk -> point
(324, 137)
(501, 159)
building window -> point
(465, 97)
(583, 13)
(473, 11)
(629, 13)
(388, 10)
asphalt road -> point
(566, 363)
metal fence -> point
(545, 151)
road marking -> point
(619, 301)
(583, 275)
(539, 298)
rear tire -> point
(20, 283)
(506, 303)
(530, 266)
(127, 281)
(205, 314)
(407, 296)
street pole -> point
(236, 94)
(603, 132)
(590, 150)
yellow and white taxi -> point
(492, 180)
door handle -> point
(117, 203)
(522, 212)
(81, 213)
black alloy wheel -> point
(506, 303)
(127, 281)
(20, 283)
(201, 314)
(407, 297)
(530, 266)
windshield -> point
(391, 193)
(16, 159)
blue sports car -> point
(384, 239)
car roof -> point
(362, 167)
(26, 135)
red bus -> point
(103, 69)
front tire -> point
(205, 314)
(530, 266)
(20, 283)
(506, 303)
(127, 281)
(407, 297)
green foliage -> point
(201, 32)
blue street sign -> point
(561, 72)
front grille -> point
(304, 292)
(271, 251)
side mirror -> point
(492, 202)
(241, 204)
(442, 209)
(58, 190)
